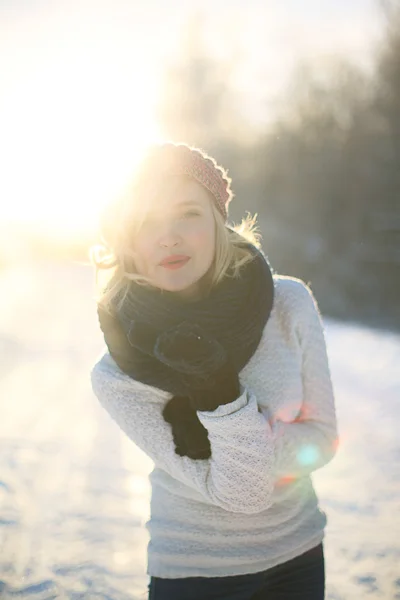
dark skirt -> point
(301, 578)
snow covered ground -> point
(74, 495)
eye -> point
(192, 212)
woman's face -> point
(175, 246)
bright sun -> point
(71, 135)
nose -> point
(169, 238)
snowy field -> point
(74, 494)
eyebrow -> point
(188, 202)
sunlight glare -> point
(71, 147)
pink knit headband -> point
(179, 159)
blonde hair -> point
(114, 256)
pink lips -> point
(175, 261)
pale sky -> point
(79, 81)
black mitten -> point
(190, 436)
(201, 364)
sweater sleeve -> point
(311, 441)
(238, 476)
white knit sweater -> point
(252, 505)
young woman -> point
(217, 369)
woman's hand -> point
(190, 436)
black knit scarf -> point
(234, 312)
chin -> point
(182, 287)
(171, 287)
